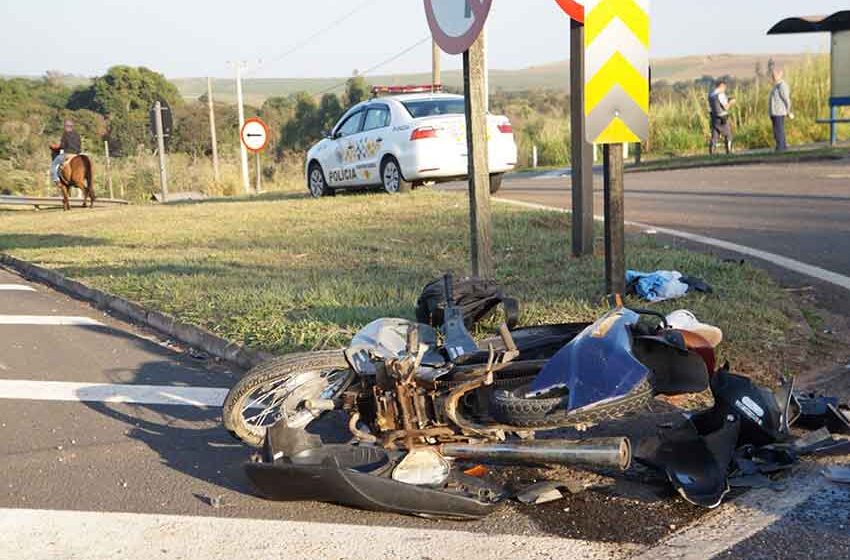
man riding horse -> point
(70, 168)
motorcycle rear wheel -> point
(276, 391)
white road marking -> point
(778, 260)
(111, 393)
(70, 535)
(736, 521)
(16, 288)
(48, 320)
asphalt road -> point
(797, 210)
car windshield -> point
(434, 107)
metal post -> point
(160, 144)
(108, 168)
(833, 126)
(246, 181)
(479, 171)
(259, 175)
(534, 158)
(583, 153)
(436, 71)
(213, 138)
(615, 250)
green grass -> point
(287, 273)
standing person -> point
(719, 105)
(780, 107)
(71, 143)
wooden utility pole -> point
(479, 169)
(582, 150)
(160, 144)
(213, 136)
(436, 71)
(108, 168)
(615, 249)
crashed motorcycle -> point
(420, 401)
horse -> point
(78, 172)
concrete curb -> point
(191, 335)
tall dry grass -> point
(679, 123)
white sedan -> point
(402, 141)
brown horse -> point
(77, 172)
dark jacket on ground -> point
(71, 143)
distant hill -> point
(548, 76)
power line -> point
(304, 42)
(379, 65)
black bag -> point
(477, 298)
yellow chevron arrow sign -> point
(617, 70)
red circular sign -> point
(255, 134)
(456, 24)
(574, 9)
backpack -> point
(476, 297)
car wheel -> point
(496, 182)
(392, 179)
(316, 182)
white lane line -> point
(111, 393)
(778, 260)
(736, 521)
(48, 320)
(16, 288)
(38, 534)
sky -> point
(191, 38)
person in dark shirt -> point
(71, 143)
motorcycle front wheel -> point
(278, 390)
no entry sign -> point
(255, 135)
(573, 8)
(456, 24)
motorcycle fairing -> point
(596, 366)
(695, 462)
(764, 420)
(355, 476)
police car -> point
(402, 140)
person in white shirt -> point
(780, 107)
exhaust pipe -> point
(599, 452)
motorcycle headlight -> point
(422, 467)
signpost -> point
(456, 26)
(255, 138)
(616, 106)
(582, 150)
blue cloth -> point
(658, 285)
(54, 167)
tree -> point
(330, 110)
(356, 90)
(304, 128)
(125, 95)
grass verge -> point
(287, 272)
